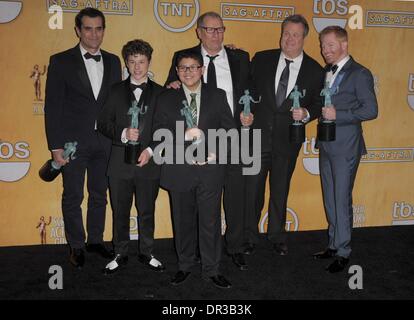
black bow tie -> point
(97, 57)
(332, 68)
(142, 86)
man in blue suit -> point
(353, 101)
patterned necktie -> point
(193, 107)
(283, 84)
(97, 57)
(211, 72)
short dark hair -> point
(91, 13)
(193, 54)
(211, 14)
(339, 32)
(136, 46)
(297, 18)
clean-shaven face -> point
(191, 78)
(91, 33)
(138, 66)
(333, 49)
(292, 39)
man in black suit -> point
(227, 69)
(77, 86)
(142, 178)
(195, 187)
(274, 74)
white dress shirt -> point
(223, 73)
(95, 71)
(294, 68)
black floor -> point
(386, 256)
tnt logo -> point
(176, 16)
(410, 96)
(402, 214)
(11, 168)
(310, 156)
(292, 221)
(334, 12)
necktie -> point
(134, 86)
(283, 84)
(193, 107)
(97, 57)
(211, 73)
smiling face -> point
(190, 78)
(292, 39)
(212, 42)
(333, 48)
(138, 65)
(91, 33)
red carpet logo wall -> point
(177, 16)
(383, 189)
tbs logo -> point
(334, 12)
(11, 170)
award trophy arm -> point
(53, 167)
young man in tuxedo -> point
(227, 69)
(353, 101)
(142, 178)
(195, 187)
(275, 73)
(77, 86)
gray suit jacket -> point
(354, 102)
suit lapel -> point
(234, 63)
(106, 75)
(82, 72)
(302, 73)
(203, 107)
(272, 77)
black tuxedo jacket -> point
(71, 109)
(239, 62)
(114, 119)
(214, 114)
(274, 121)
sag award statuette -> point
(245, 100)
(190, 118)
(327, 128)
(297, 128)
(50, 170)
(133, 148)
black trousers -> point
(233, 200)
(122, 192)
(91, 160)
(280, 168)
(186, 207)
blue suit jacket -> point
(354, 102)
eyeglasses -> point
(212, 30)
(192, 68)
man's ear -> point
(77, 31)
(198, 33)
